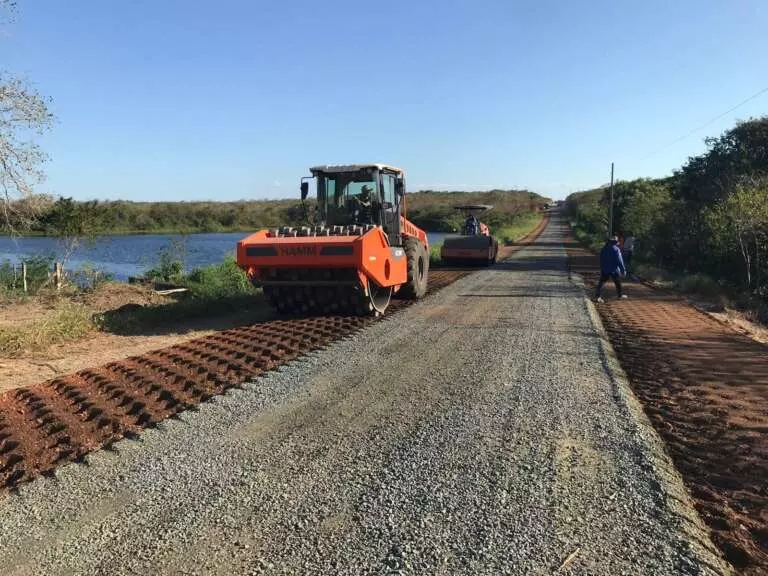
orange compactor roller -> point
(360, 251)
(476, 244)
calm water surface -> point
(125, 256)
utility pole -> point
(610, 209)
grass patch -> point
(134, 320)
(434, 253)
(692, 284)
(217, 289)
(592, 241)
(511, 233)
(68, 321)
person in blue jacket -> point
(472, 225)
(611, 266)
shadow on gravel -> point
(534, 264)
(528, 292)
(538, 244)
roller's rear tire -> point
(418, 269)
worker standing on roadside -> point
(628, 250)
(611, 266)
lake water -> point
(131, 255)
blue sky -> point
(185, 99)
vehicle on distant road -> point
(476, 243)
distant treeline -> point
(429, 209)
(435, 210)
(709, 217)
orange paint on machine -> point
(475, 244)
(359, 250)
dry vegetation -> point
(430, 210)
(67, 321)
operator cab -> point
(472, 226)
(364, 194)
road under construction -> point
(488, 430)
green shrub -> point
(519, 227)
(699, 284)
(220, 288)
(434, 253)
(7, 277)
(38, 272)
(219, 281)
(649, 273)
(88, 278)
(170, 264)
(38, 275)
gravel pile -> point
(479, 432)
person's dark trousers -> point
(604, 278)
(627, 260)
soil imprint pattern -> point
(65, 418)
(705, 389)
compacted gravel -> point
(482, 431)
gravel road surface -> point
(484, 430)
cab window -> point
(388, 190)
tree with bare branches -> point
(24, 116)
(741, 219)
(7, 10)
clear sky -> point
(188, 99)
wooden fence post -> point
(24, 275)
(57, 273)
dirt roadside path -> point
(704, 387)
